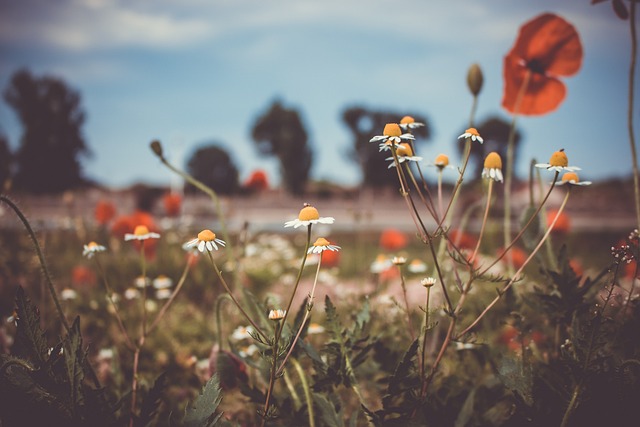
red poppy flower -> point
(257, 181)
(105, 211)
(127, 224)
(547, 47)
(518, 256)
(462, 240)
(563, 224)
(172, 203)
(393, 240)
(330, 258)
(82, 276)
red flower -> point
(330, 258)
(547, 47)
(257, 181)
(518, 256)
(82, 276)
(462, 240)
(172, 203)
(563, 225)
(104, 212)
(127, 224)
(393, 240)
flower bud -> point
(156, 147)
(475, 79)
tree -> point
(51, 144)
(5, 162)
(280, 132)
(364, 124)
(495, 132)
(213, 166)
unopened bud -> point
(475, 79)
(156, 147)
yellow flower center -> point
(493, 161)
(141, 230)
(406, 120)
(472, 131)
(308, 213)
(321, 241)
(570, 176)
(206, 236)
(392, 129)
(404, 149)
(442, 160)
(559, 158)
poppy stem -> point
(632, 73)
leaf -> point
(30, 341)
(466, 412)
(151, 402)
(363, 316)
(327, 412)
(202, 411)
(332, 318)
(73, 359)
(517, 375)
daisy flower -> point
(308, 215)
(407, 123)
(473, 134)
(405, 154)
(68, 294)
(417, 266)
(277, 314)
(441, 162)
(206, 241)
(131, 293)
(162, 282)
(141, 282)
(428, 282)
(399, 260)
(571, 178)
(91, 249)
(163, 293)
(392, 134)
(320, 245)
(242, 333)
(558, 162)
(493, 167)
(315, 328)
(141, 232)
(380, 264)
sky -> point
(188, 72)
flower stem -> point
(424, 336)
(484, 221)
(406, 304)
(632, 73)
(166, 306)
(307, 391)
(272, 375)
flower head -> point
(547, 47)
(320, 245)
(405, 154)
(206, 241)
(91, 249)
(162, 282)
(308, 215)
(399, 260)
(392, 134)
(172, 203)
(277, 314)
(242, 333)
(163, 293)
(417, 266)
(473, 134)
(428, 282)
(571, 178)
(104, 212)
(408, 123)
(141, 232)
(393, 240)
(558, 162)
(493, 167)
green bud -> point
(475, 79)
(156, 147)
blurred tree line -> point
(51, 148)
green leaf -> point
(73, 359)
(152, 400)
(517, 375)
(466, 412)
(30, 341)
(327, 412)
(202, 411)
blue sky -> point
(191, 71)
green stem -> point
(221, 298)
(406, 304)
(272, 375)
(484, 221)
(307, 391)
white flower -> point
(315, 328)
(131, 293)
(141, 282)
(380, 264)
(163, 293)
(473, 134)
(428, 282)
(206, 241)
(408, 123)
(162, 282)
(249, 351)
(405, 154)
(571, 178)
(91, 249)
(68, 294)
(141, 232)
(392, 134)
(442, 162)
(493, 167)
(558, 162)
(399, 260)
(277, 314)
(242, 333)
(417, 266)
(308, 215)
(321, 244)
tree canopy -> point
(213, 166)
(48, 158)
(280, 132)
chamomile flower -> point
(163, 293)
(493, 167)
(162, 282)
(141, 282)
(320, 245)
(428, 282)
(315, 328)
(242, 333)
(408, 123)
(68, 294)
(571, 178)
(91, 249)
(473, 134)
(442, 162)
(405, 154)
(131, 293)
(141, 232)
(399, 260)
(380, 264)
(308, 215)
(392, 134)
(558, 162)
(206, 241)
(417, 266)
(277, 314)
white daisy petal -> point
(201, 245)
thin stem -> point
(166, 306)
(424, 336)
(307, 391)
(406, 304)
(222, 298)
(292, 390)
(144, 290)
(440, 193)
(134, 381)
(632, 74)
(272, 375)
(456, 188)
(484, 221)
(517, 274)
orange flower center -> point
(442, 160)
(570, 176)
(493, 161)
(141, 230)
(406, 120)
(206, 236)
(404, 149)
(559, 158)
(92, 245)
(392, 129)
(309, 213)
(472, 131)
(321, 241)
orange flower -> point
(547, 47)
(563, 225)
(462, 240)
(172, 203)
(104, 212)
(393, 240)
(518, 256)
(81, 276)
(257, 181)
(330, 258)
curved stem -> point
(484, 221)
(406, 305)
(307, 391)
(166, 306)
(221, 298)
(424, 337)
